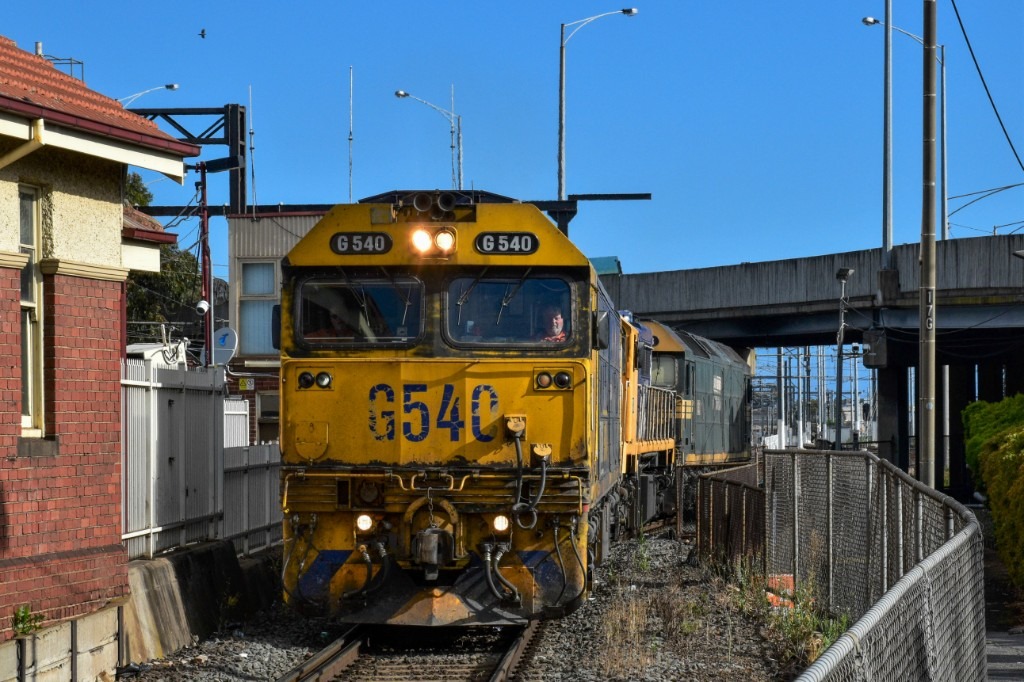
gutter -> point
(36, 142)
(157, 141)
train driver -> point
(552, 323)
(338, 328)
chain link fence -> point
(867, 541)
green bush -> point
(984, 420)
(995, 436)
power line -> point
(977, 67)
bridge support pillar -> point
(961, 394)
(1014, 374)
(893, 443)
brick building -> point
(65, 253)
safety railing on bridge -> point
(865, 540)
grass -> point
(25, 622)
(706, 620)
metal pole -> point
(945, 236)
(855, 358)
(900, 544)
(351, 82)
(887, 144)
(884, 528)
(838, 445)
(781, 398)
(799, 401)
(796, 522)
(207, 284)
(454, 122)
(561, 116)
(460, 151)
(822, 395)
(627, 11)
(942, 144)
(867, 526)
(830, 532)
(926, 356)
(451, 125)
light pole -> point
(455, 123)
(842, 275)
(125, 101)
(926, 313)
(886, 137)
(941, 59)
(629, 12)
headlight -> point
(323, 380)
(445, 241)
(364, 522)
(421, 241)
(500, 523)
(305, 380)
(430, 244)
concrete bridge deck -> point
(979, 322)
(979, 287)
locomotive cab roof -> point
(482, 228)
(669, 340)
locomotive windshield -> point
(503, 310)
(664, 370)
(367, 310)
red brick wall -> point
(60, 547)
(10, 378)
(267, 382)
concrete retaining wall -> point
(176, 600)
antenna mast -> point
(350, 137)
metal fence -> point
(187, 473)
(864, 539)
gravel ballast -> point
(652, 616)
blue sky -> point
(756, 126)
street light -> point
(125, 101)
(629, 12)
(926, 449)
(941, 59)
(842, 275)
(886, 138)
(455, 122)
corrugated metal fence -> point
(859, 535)
(188, 474)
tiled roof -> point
(143, 227)
(31, 86)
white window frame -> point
(32, 314)
(244, 297)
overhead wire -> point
(984, 84)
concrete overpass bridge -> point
(795, 302)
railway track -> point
(417, 655)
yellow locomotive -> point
(466, 420)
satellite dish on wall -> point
(225, 345)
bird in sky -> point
(202, 33)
